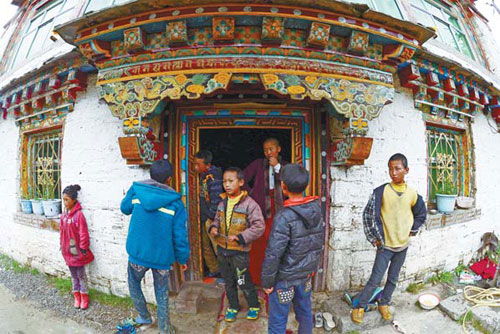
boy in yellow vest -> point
(394, 212)
(238, 222)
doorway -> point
(235, 135)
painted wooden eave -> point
(69, 30)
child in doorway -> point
(74, 241)
(238, 222)
(293, 253)
(393, 213)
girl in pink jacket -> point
(74, 239)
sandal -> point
(318, 320)
(329, 323)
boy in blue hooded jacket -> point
(156, 238)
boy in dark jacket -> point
(393, 213)
(156, 239)
(293, 253)
(237, 224)
(210, 178)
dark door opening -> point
(239, 147)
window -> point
(389, 7)
(448, 27)
(36, 35)
(43, 164)
(449, 161)
(95, 5)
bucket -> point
(446, 203)
(26, 206)
(52, 207)
(37, 207)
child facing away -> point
(293, 253)
(393, 213)
(74, 242)
(238, 222)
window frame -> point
(30, 172)
(463, 164)
(453, 30)
(29, 29)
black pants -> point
(234, 269)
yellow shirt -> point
(231, 202)
(396, 214)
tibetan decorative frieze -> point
(273, 29)
(190, 51)
(356, 101)
(133, 39)
(95, 49)
(177, 33)
(223, 29)
(445, 96)
(319, 34)
(44, 100)
(243, 65)
(140, 97)
(358, 42)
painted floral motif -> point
(247, 35)
(132, 39)
(358, 43)
(200, 36)
(273, 29)
(131, 122)
(177, 32)
(375, 51)
(319, 34)
(156, 41)
(223, 28)
(294, 37)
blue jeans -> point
(384, 256)
(160, 277)
(279, 307)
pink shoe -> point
(76, 303)
(85, 301)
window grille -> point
(44, 165)
(448, 161)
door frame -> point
(184, 133)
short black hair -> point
(72, 190)
(399, 157)
(206, 155)
(161, 170)
(238, 171)
(295, 177)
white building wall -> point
(91, 158)
(400, 128)
(9, 184)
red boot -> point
(76, 303)
(85, 301)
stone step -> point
(341, 312)
(456, 306)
